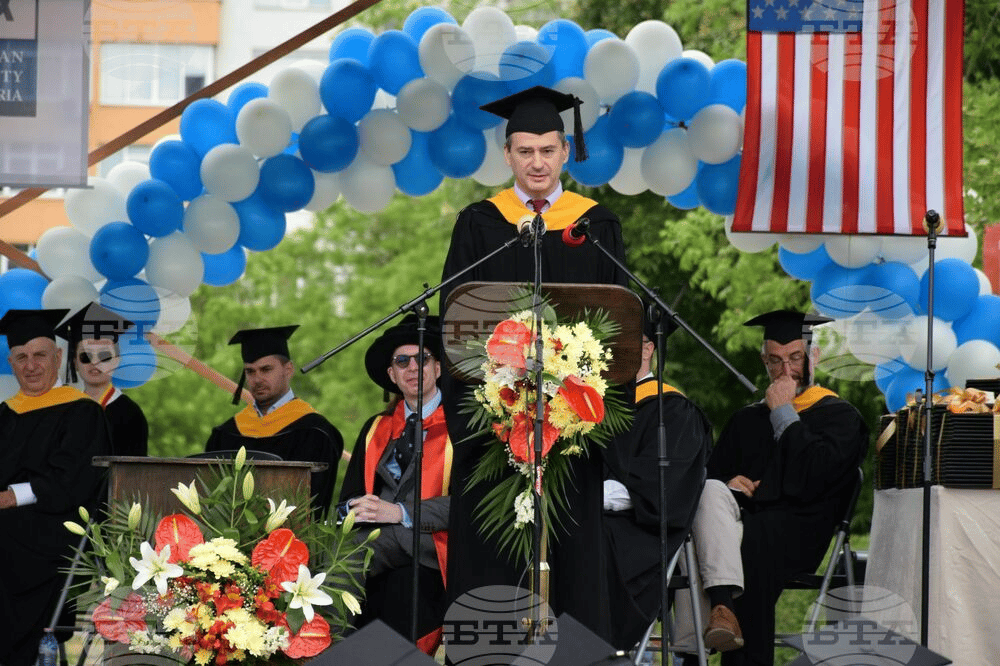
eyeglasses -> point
(777, 362)
(99, 357)
(403, 360)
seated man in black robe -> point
(791, 460)
(48, 436)
(277, 422)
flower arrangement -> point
(229, 580)
(579, 408)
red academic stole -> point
(810, 397)
(60, 395)
(567, 209)
(251, 425)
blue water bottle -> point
(48, 650)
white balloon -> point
(314, 68)
(715, 134)
(175, 310)
(70, 292)
(958, 247)
(873, 339)
(656, 43)
(853, 251)
(127, 175)
(66, 251)
(905, 249)
(629, 180)
(384, 100)
(500, 134)
(801, 243)
(668, 166)
(491, 32)
(525, 33)
(974, 359)
(264, 127)
(8, 386)
(913, 343)
(700, 56)
(298, 93)
(326, 191)
(985, 286)
(384, 138)
(230, 172)
(494, 171)
(90, 208)
(423, 105)
(211, 224)
(167, 137)
(446, 54)
(612, 67)
(591, 104)
(367, 187)
(746, 241)
(174, 264)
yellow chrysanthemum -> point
(202, 657)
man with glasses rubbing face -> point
(379, 487)
(790, 461)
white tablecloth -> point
(964, 594)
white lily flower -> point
(134, 515)
(279, 514)
(306, 592)
(248, 486)
(351, 602)
(84, 514)
(110, 584)
(155, 567)
(241, 458)
(75, 528)
(188, 496)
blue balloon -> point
(352, 43)
(261, 227)
(686, 199)
(244, 93)
(347, 89)
(717, 185)
(179, 166)
(138, 361)
(598, 34)
(134, 300)
(884, 372)
(567, 46)
(395, 60)
(840, 292)
(456, 150)
(118, 250)
(683, 87)
(5, 368)
(526, 64)
(286, 183)
(21, 289)
(206, 123)
(982, 322)
(956, 289)
(728, 84)
(604, 156)
(472, 91)
(415, 174)
(420, 20)
(804, 265)
(328, 143)
(154, 208)
(636, 119)
(908, 380)
(293, 145)
(900, 285)
(225, 268)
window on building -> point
(153, 74)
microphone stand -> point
(932, 222)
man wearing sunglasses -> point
(379, 486)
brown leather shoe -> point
(723, 632)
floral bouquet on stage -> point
(226, 581)
(579, 409)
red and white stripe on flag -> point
(853, 117)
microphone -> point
(576, 233)
(524, 230)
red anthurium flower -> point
(522, 438)
(506, 345)
(114, 624)
(180, 533)
(584, 400)
(313, 638)
(280, 554)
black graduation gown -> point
(633, 536)
(310, 438)
(806, 479)
(51, 448)
(129, 429)
(577, 579)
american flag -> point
(853, 118)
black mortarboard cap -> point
(783, 326)
(536, 110)
(20, 326)
(256, 343)
(91, 322)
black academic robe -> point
(578, 578)
(129, 429)
(806, 479)
(50, 447)
(310, 438)
(633, 536)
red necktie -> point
(538, 204)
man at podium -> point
(48, 435)
(277, 422)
